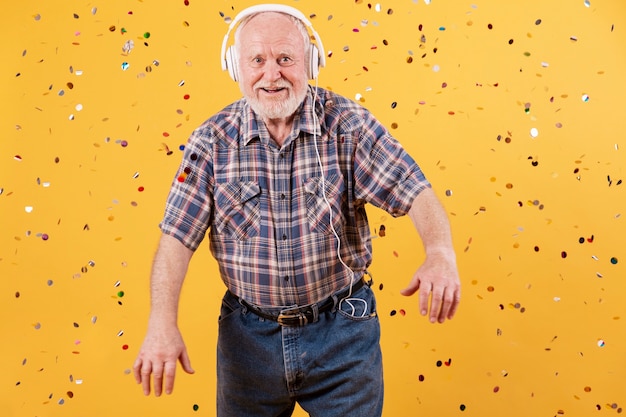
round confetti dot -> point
(534, 132)
(614, 261)
(125, 66)
(601, 343)
(140, 189)
(44, 236)
(196, 407)
(124, 143)
(563, 254)
(146, 35)
(585, 98)
(186, 96)
(462, 407)
(120, 294)
(420, 378)
(125, 347)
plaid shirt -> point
(268, 220)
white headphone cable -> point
(323, 184)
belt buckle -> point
(284, 318)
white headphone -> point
(229, 56)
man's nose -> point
(272, 70)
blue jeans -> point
(332, 367)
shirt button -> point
(282, 196)
(286, 277)
(285, 237)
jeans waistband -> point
(299, 316)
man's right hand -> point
(156, 360)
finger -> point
(455, 304)
(169, 375)
(435, 305)
(436, 299)
(157, 377)
(186, 362)
(146, 370)
(137, 370)
(446, 305)
(423, 298)
(412, 288)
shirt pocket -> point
(237, 209)
(323, 203)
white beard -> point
(278, 109)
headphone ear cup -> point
(231, 62)
(314, 62)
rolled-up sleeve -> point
(385, 174)
(189, 205)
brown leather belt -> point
(299, 316)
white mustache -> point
(274, 86)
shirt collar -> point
(303, 122)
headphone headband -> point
(280, 8)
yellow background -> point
(541, 330)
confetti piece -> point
(534, 132)
(128, 46)
(585, 98)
